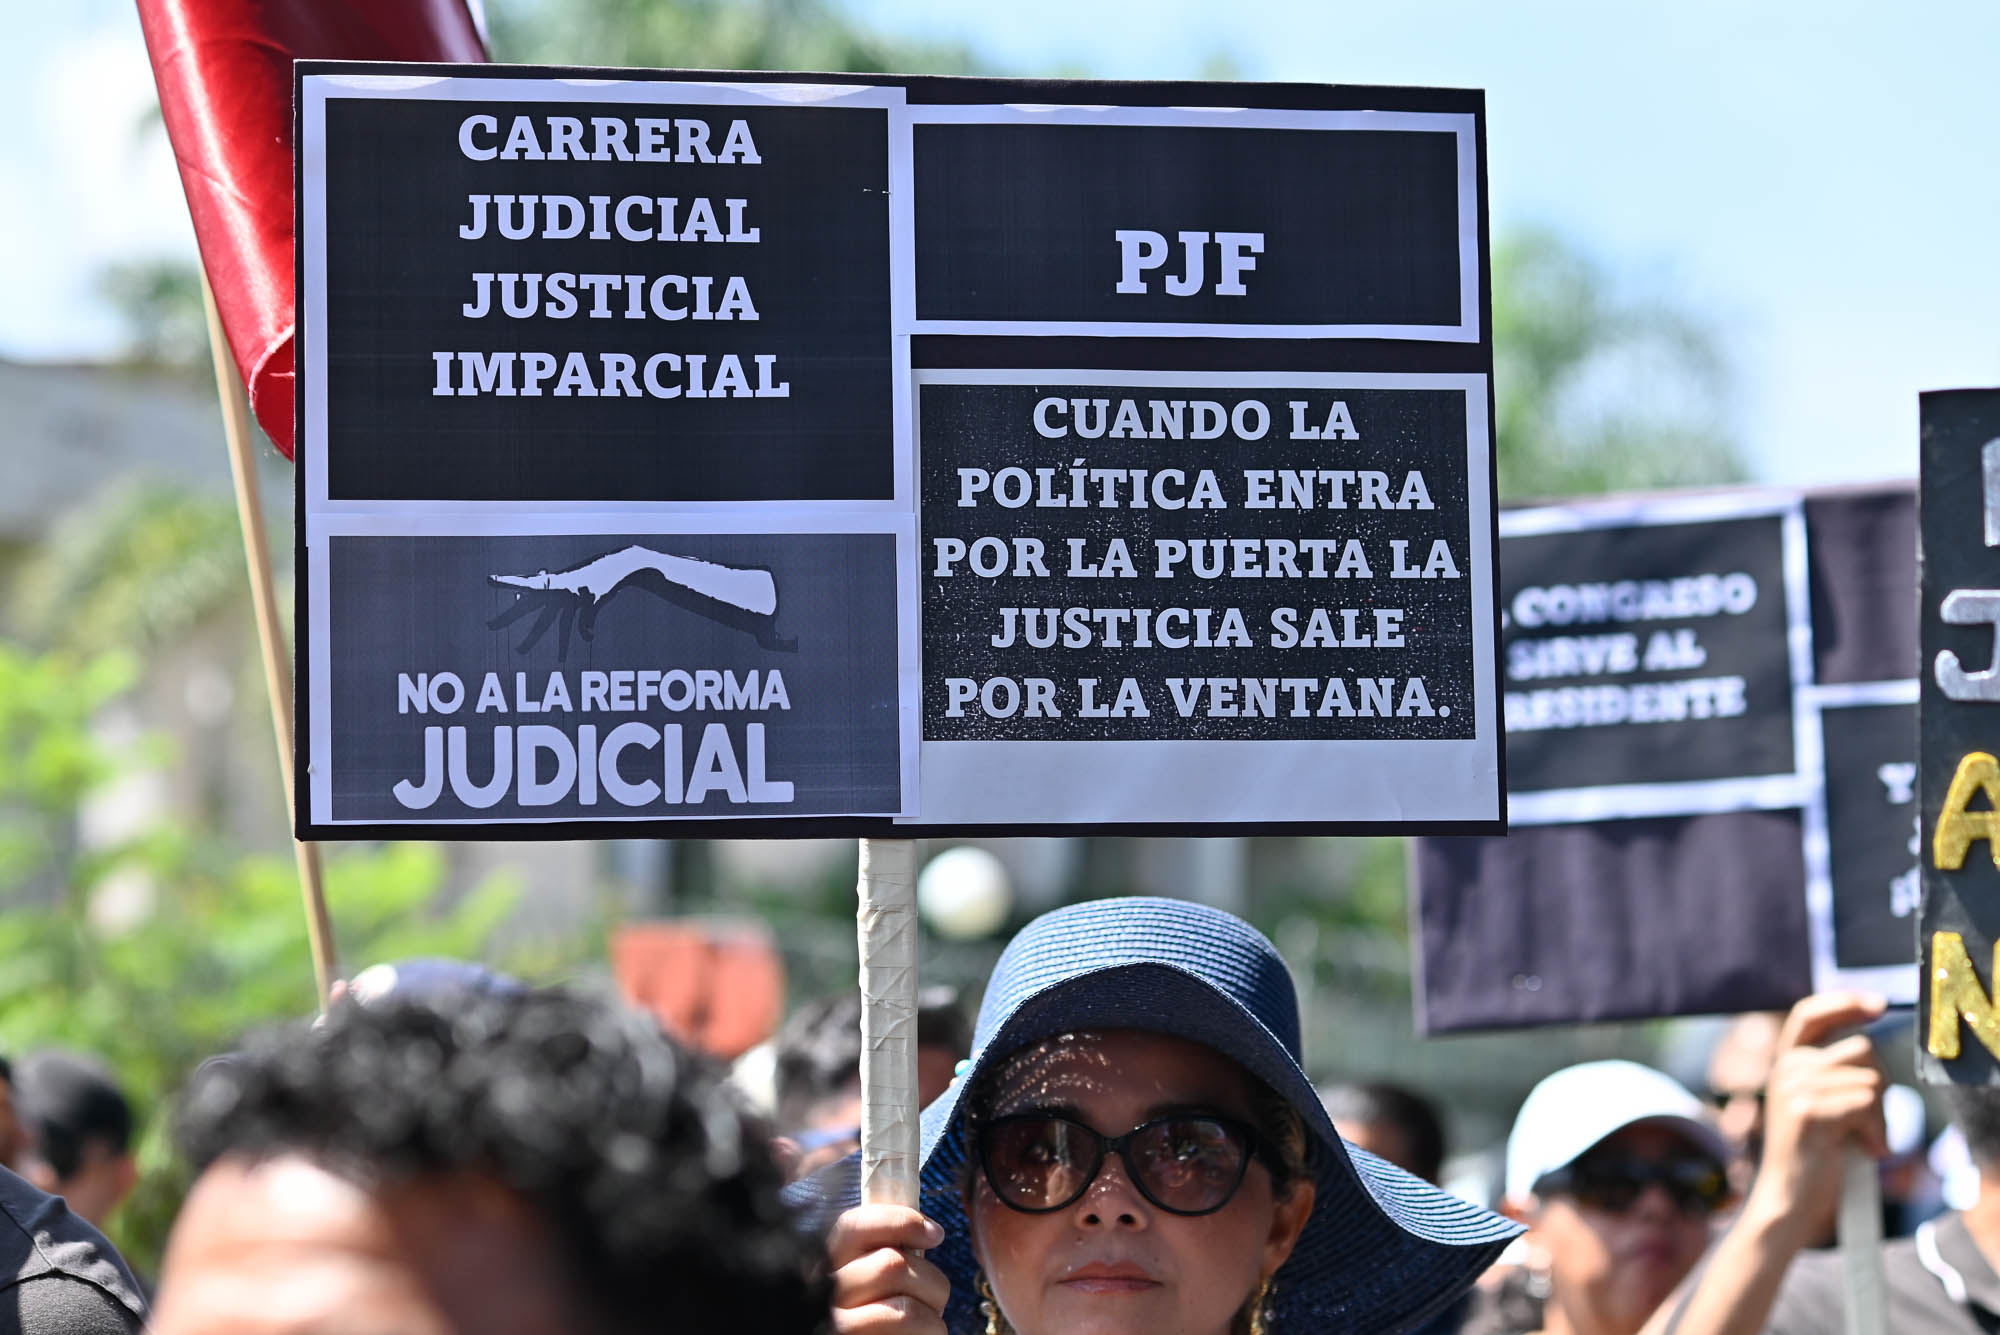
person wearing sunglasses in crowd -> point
(1739, 1068)
(1134, 1149)
(1619, 1177)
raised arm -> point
(1819, 1101)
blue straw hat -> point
(1383, 1251)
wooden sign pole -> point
(270, 635)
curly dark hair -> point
(659, 1190)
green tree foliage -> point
(161, 949)
(1599, 391)
(139, 565)
(708, 34)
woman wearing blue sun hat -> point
(1134, 1149)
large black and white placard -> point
(1257, 586)
(1149, 220)
(608, 677)
(546, 290)
(1746, 840)
(607, 422)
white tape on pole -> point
(1861, 1243)
(886, 922)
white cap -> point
(1951, 1161)
(1579, 1106)
(1903, 1117)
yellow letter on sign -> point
(1957, 827)
(1956, 993)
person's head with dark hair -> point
(509, 1165)
(1739, 1068)
(1392, 1122)
(83, 1131)
(944, 1037)
(818, 1076)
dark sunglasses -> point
(1694, 1185)
(1187, 1165)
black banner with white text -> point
(1711, 738)
(1074, 457)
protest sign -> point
(1083, 583)
(1710, 737)
(891, 456)
(1958, 779)
(1673, 636)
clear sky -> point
(1822, 179)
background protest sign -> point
(1709, 889)
(620, 375)
(1958, 779)
(1674, 636)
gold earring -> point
(995, 1323)
(1260, 1309)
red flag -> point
(224, 70)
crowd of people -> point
(1126, 1141)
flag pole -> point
(270, 635)
(886, 931)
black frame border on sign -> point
(934, 351)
